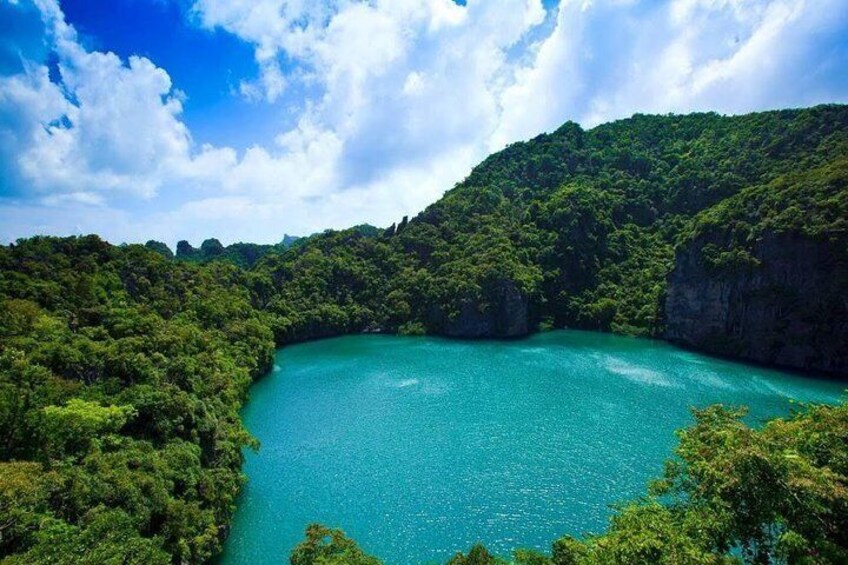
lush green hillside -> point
(763, 274)
(122, 370)
(121, 376)
(600, 211)
(244, 255)
(575, 228)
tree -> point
(325, 546)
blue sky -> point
(248, 119)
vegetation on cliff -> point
(122, 371)
(763, 275)
(583, 224)
(810, 202)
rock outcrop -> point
(786, 306)
(505, 315)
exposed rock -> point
(505, 316)
(787, 307)
(289, 240)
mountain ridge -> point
(579, 228)
(122, 371)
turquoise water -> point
(418, 447)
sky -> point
(248, 119)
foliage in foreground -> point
(121, 377)
(122, 371)
(731, 495)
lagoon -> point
(418, 447)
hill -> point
(122, 371)
(579, 228)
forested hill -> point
(122, 370)
(579, 228)
(121, 377)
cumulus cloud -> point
(105, 126)
(607, 59)
(395, 100)
(402, 81)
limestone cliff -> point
(784, 303)
(504, 315)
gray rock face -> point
(507, 316)
(790, 310)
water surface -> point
(417, 447)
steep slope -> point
(574, 228)
(603, 208)
(122, 371)
(763, 275)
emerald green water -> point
(418, 447)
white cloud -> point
(609, 59)
(362, 151)
(89, 198)
(269, 87)
(404, 97)
(108, 127)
